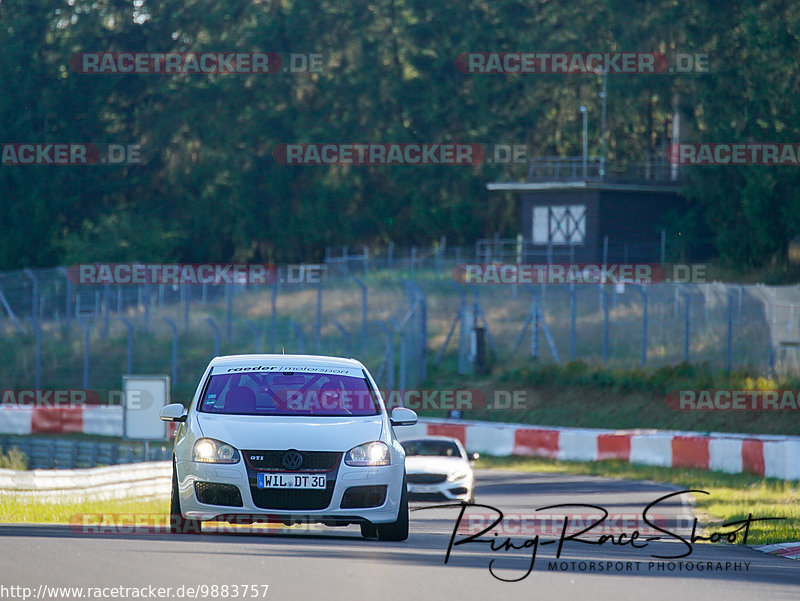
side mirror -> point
(403, 417)
(473, 456)
(173, 413)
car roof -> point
(299, 360)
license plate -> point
(314, 481)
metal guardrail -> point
(50, 453)
(137, 480)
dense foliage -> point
(210, 188)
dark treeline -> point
(210, 189)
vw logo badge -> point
(292, 460)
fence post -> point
(68, 298)
(364, 311)
(605, 323)
(729, 346)
(273, 334)
(403, 348)
(215, 331)
(301, 337)
(106, 309)
(228, 312)
(318, 320)
(129, 358)
(173, 327)
(572, 316)
(663, 246)
(37, 376)
(146, 300)
(686, 326)
(346, 335)
(256, 336)
(34, 291)
(85, 327)
(187, 305)
(643, 292)
(535, 328)
(389, 356)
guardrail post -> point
(174, 328)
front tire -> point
(177, 523)
(397, 530)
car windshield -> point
(288, 393)
(431, 448)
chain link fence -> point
(400, 312)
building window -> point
(559, 224)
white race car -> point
(438, 469)
(292, 438)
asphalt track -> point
(336, 563)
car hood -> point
(417, 464)
(305, 433)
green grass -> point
(14, 459)
(579, 395)
(15, 510)
(732, 496)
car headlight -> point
(369, 453)
(208, 450)
(456, 476)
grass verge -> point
(15, 510)
(731, 496)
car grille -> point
(210, 493)
(278, 498)
(426, 478)
(313, 461)
(361, 497)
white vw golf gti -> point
(289, 438)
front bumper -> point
(332, 513)
(456, 490)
